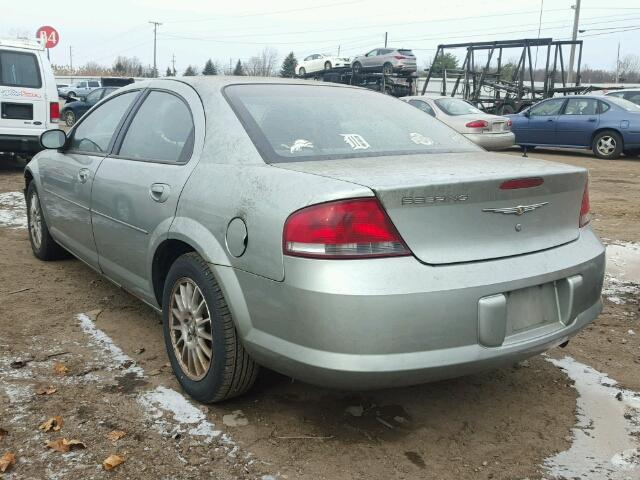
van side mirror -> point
(53, 139)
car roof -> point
(218, 82)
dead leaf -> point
(64, 445)
(54, 423)
(112, 461)
(46, 390)
(115, 435)
(60, 369)
(6, 461)
(3, 433)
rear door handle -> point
(592, 119)
(83, 175)
(159, 192)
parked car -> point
(79, 89)
(28, 98)
(385, 60)
(369, 254)
(489, 131)
(631, 95)
(72, 111)
(607, 125)
(318, 62)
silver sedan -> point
(489, 131)
(328, 232)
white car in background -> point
(319, 62)
(489, 131)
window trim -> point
(117, 144)
(38, 68)
(109, 149)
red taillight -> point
(585, 215)
(521, 183)
(356, 228)
(509, 123)
(54, 111)
(477, 124)
(400, 57)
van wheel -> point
(607, 145)
(201, 339)
(69, 118)
(42, 243)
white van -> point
(28, 96)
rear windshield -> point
(406, 52)
(626, 104)
(18, 69)
(317, 122)
(455, 106)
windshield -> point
(18, 69)
(626, 104)
(317, 122)
(455, 106)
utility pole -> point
(155, 35)
(173, 63)
(576, 20)
(386, 34)
(70, 58)
(618, 65)
(339, 50)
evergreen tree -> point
(210, 68)
(169, 72)
(239, 70)
(288, 68)
(448, 61)
(190, 72)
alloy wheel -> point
(35, 221)
(606, 145)
(190, 329)
(69, 119)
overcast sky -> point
(195, 30)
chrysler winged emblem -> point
(518, 210)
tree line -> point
(265, 64)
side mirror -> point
(83, 98)
(527, 113)
(53, 139)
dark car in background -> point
(607, 125)
(72, 111)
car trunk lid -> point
(449, 208)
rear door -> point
(539, 128)
(577, 122)
(23, 105)
(136, 190)
(67, 176)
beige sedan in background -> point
(491, 132)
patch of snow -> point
(13, 210)
(235, 419)
(604, 446)
(182, 411)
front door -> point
(67, 177)
(136, 190)
(539, 128)
(578, 121)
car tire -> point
(357, 68)
(607, 145)
(327, 65)
(43, 245)
(71, 94)
(230, 371)
(69, 118)
(302, 72)
(387, 69)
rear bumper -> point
(493, 141)
(20, 143)
(378, 323)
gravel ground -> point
(63, 326)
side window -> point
(581, 106)
(604, 107)
(94, 133)
(372, 53)
(548, 108)
(616, 94)
(94, 96)
(94, 84)
(424, 106)
(310, 57)
(162, 130)
(19, 70)
(633, 97)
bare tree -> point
(263, 65)
(630, 68)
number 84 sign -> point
(48, 36)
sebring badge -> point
(519, 210)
